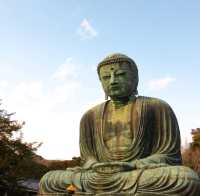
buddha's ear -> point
(106, 96)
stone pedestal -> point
(101, 194)
(119, 194)
(54, 194)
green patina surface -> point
(130, 145)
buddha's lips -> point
(114, 87)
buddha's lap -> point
(59, 178)
(173, 173)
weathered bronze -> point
(130, 144)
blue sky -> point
(49, 51)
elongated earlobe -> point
(106, 96)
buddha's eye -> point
(121, 73)
(106, 77)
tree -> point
(192, 153)
(15, 155)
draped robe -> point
(155, 141)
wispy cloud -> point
(158, 84)
(65, 71)
(48, 114)
(3, 84)
(48, 110)
(86, 31)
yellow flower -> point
(71, 189)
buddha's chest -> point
(117, 133)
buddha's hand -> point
(113, 167)
(73, 169)
(89, 164)
(145, 165)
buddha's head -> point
(119, 76)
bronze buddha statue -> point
(129, 144)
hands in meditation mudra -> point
(129, 144)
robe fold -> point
(156, 137)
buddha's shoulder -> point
(152, 101)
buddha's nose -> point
(113, 79)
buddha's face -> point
(118, 80)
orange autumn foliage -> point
(191, 158)
(191, 155)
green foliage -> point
(196, 138)
(18, 159)
(15, 155)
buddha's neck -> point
(120, 102)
